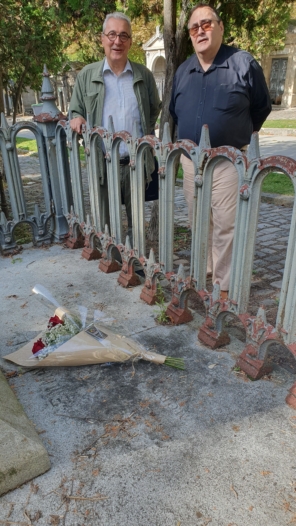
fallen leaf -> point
(212, 365)
(265, 473)
(251, 508)
(144, 404)
(234, 491)
(11, 374)
(210, 394)
(286, 505)
(235, 428)
(24, 305)
(95, 472)
(181, 404)
(54, 520)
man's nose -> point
(117, 37)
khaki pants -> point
(223, 208)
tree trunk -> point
(176, 48)
(3, 202)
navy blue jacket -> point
(231, 97)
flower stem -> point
(178, 363)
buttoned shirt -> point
(120, 102)
(231, 97)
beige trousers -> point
(223, 208)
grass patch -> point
(274, 183)
(281, 123)
(30, 145)
(180, 172)
(277, 183)
(23, 234)
(26, 144)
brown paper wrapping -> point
(84, 349)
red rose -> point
(38, 346)
(55, 320)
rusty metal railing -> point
(101, 237)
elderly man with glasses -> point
(124, 89)
(223, 87)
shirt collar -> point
(106, 67)
(220, 61)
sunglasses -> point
(205, 25)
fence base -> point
(74, 242)
(213, 339)
(91, 253)
(128, 277)
(108, 266)
(291, 397)
(178, 315)
(253, 367)
(149, 293)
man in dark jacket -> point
(222, 87)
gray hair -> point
(120, 16)
(199, 6)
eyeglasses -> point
(112, 35)
(205, 25)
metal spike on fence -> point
(181, 276)
(48, 97)
(216, 292)
(254, 149)
(4, 123)
(136, 130)
(3, 220)
(111, 128)
(166, 136)
(37, 214)
(261, 314)
(128, 246)
(89, 124)
(151, 259)
(204, 142)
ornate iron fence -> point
(60, 164)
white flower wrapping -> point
(74, 344)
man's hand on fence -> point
(76, 124)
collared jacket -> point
(231, 97)
(89, 92)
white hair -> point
(120, 16)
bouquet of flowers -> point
(68, 340)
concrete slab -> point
(22, 454)
(143, 445)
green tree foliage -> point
(82, 22)
(30, 35)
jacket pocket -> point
(91, 102)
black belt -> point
(123, 161)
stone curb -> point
(22, 454)
(278, 199)
(278, 131)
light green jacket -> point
(89, 92)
